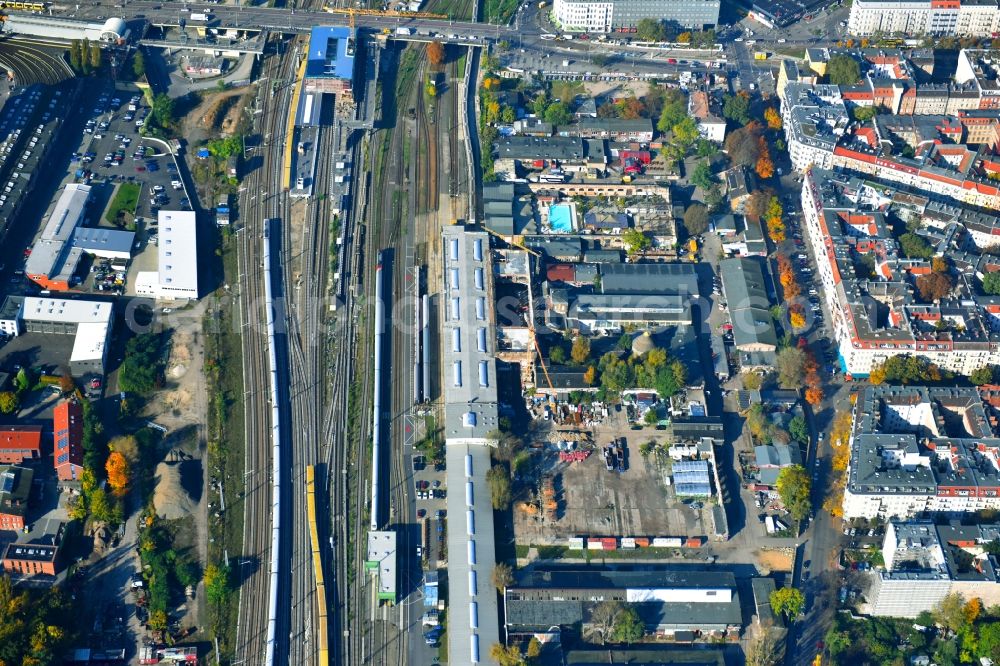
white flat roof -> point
(40, 308)
(473, 624)
(178, 253)
(89, 343)
(382, 551)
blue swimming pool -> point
(561, 218)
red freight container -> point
(642, 542)
(609, 543)
(538, 164)
(694, 542)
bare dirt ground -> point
(182, 408)
(205, 120)
(774, 560)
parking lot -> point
(111, 147)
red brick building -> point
(30, 559)
(67, 423)
(19, 443)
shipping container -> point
(694, 542)
(576, 543)
(642, 542)
(609, 543)
(667, 542)
(628, 543)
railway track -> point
(261, 200)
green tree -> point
(142, 368)
(983, 375)
(74, 55)
(8, 402)
(950, 612)
(793, 488)
(84, 56)
(706, 148)
(696, 219)
(702, 176)
(674, 109)
(163, 111)
(843, 70)
(558, 113)
(24, 380)
(557, 355)
(788, 601)
(616, 374)
(991, 283)
(650, 30)
(791, 365)
(864, 113)
(799, 429)
(508, 115)
(685, 133)
(218, 582)
(628, 626)
(500, 487)
(736, 108)
(635, 241)
(139, 64)
(580, 352)
(186, 572)
(989, 641)
(652, 417)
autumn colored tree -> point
(772, 118)
(797, 320)
(435, 53)
(814, 395)
(117, 469)
(580, 350)
(491, 83)
(764, 166)
(876, 376)
(66, 384)
(632, 108)
(934, 286)
(590, 376)
(492, 111)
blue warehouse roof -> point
(331, 53)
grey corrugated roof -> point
(746, 293)
(99, 239)
(660, 278)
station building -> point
(330, 64)
(112, 31)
